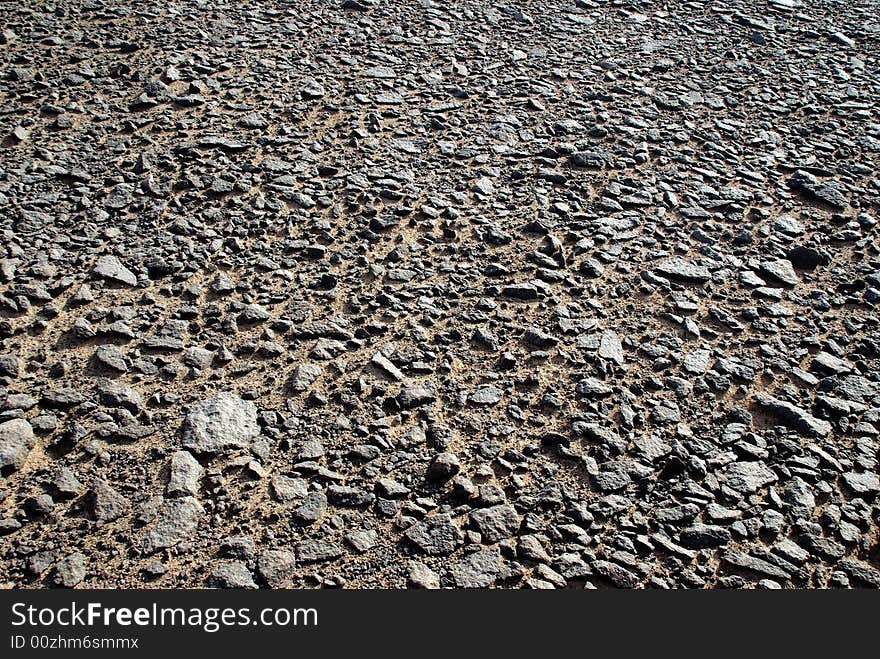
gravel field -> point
(387, 294)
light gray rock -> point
(184, 475)
(65, 483)
(198, 358)
(697, 362)
(388, 367)
(286, 489)
(220, 423)
(110, 268)
(794, 417)
(610, 347)
(862, 483)
(683, 270)
(304, 375)
(826, 363)
(317, 551)
(362, 541)
(799, 498)
(71, 570)
(176, 521)
(16, 441)
(105, 503)
(221, 284)
(788, 225)
(747, 477)
(478, 570)
(421, 576)
(111, 357)
(780, 270)
(485, 395)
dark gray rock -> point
(743, 561)
(496, 522)
(478, 570)
(313, 507)
(435, 535)
(826, 192)
(683, 270)
(616, 574)
(415, 396)
(794, 417)
(443, 466)
(176, 521)
(349, 497)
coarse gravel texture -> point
(374, 293)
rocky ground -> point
(367, 293)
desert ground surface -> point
(385, 294)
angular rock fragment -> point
(478, 570)
(794, 417)
(70, 571)
(286, 489)
(704, 536)
(176, 521)
(303, 376)
(16, 441)
(683, 270)
(747, 477)
(421, 576)
(231, 575)
(827, 192)
(105, 503)
(111, 269)
(312, 508)
(276, 567)
(415, 396)
(496, 522)
(317, 551)
(443, 466)
(111, 357)
(780, 270)
(485, 395)
(185, 472)
(863, 483)
(220, 423)
(435, 535)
